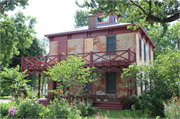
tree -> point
(12, 79)
(81, 18)
(161, 80)
(15, 33)
(71, 73)
(139, 12)
(35, 49)
(163, 40)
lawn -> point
(4, 97)
(125, 113)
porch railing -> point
(39, 62)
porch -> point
(111, 61)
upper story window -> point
(111, 43)
(144, 52)
(114, 19)
(102, 20)
(140, 52)
(111, 82)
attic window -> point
(102, 20)
(114, 19)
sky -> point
(53, 16)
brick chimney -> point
(92, 21)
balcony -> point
(97, 59)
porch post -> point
(39, 80)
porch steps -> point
(43, 101)
(108, 105)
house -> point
(107, 45)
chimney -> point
(92, 21)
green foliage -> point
(81, 18)
(129, 99)
(61, 109)
(16, 35)
(163, 77)
(12, 80)
(163, 39)
(86, 108)
(5, 108)
(71, 73)
(28, 108)
(172, 108)
(10, 5)
(138, 12)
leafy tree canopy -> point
(161, 79)
(71, 73)
(17, 31)
(81, 18)
(139, 11)
(10, 5)
(162, 39)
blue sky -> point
(53, 16)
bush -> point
(61, 109)
(153, 100)
(28, 108)
(136, 101)
(5, 108)
(172, 108)
(86, 108)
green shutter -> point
(140, 52)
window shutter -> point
(140, 52)
(144, 52)
(149, 54)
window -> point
(111, 44)
(86, 88)
(144, 52)
(140, 52)
(114, 19)
(102, 20)
(111, 82)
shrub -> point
(61, 109)
(172, 108)
(86, 108)
(31, 94)
(5, 108)
(28, 108)
(136, 101)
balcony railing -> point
(91, 58)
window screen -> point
(111, 82)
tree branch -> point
(138, 7)
(157, 19)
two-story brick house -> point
(107, 45)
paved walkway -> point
(4, 100)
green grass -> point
(4, 97)
(124, 114)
